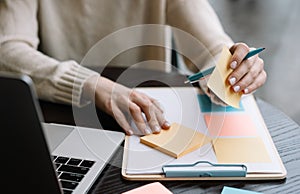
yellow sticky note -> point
(241, 150)
(218, 81)
(176, 141)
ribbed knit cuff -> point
(70, 84)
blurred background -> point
(275, 25)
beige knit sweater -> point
(48, 39)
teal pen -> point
(194, 78)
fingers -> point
(239, 51)
(260, 80)
(248, 74)
(152, 110)
(120, 101)
(157, 104)
(122, 121)
(162, 121)
(138, 119)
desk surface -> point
(284, 131)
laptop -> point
(38, 157)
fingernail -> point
(236, 88)
(147, 131)
(130, 132)
(157, 129)
(246, 91)
(166, 125)
(233, 64)
(232, 80)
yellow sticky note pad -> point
(241, 150)
(218, 81)
(176, 141)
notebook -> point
(38, 157)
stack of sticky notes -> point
(176, 141)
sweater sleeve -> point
(56, 81)
(198, 32)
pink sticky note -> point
(230, 125)
(151, 188)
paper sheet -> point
(151, 188)
(231, 190)
(218, 82)
(241, 150)
(226, 125)
(208, 107)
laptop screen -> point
(26, 161)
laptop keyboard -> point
(71, 171)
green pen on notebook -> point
(194, 78)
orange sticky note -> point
(176, 141)
(230, 125)
(218, 81)
(241, 150)
(151, 188)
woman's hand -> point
(249, 74)
(121, 102)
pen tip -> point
(187, 81)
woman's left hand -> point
(249, 74)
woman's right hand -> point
(121, 102)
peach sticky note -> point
(176, 141)
(218, 81)
(241, 150)
(220, 125)
(150, 188)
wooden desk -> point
(284, 131)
